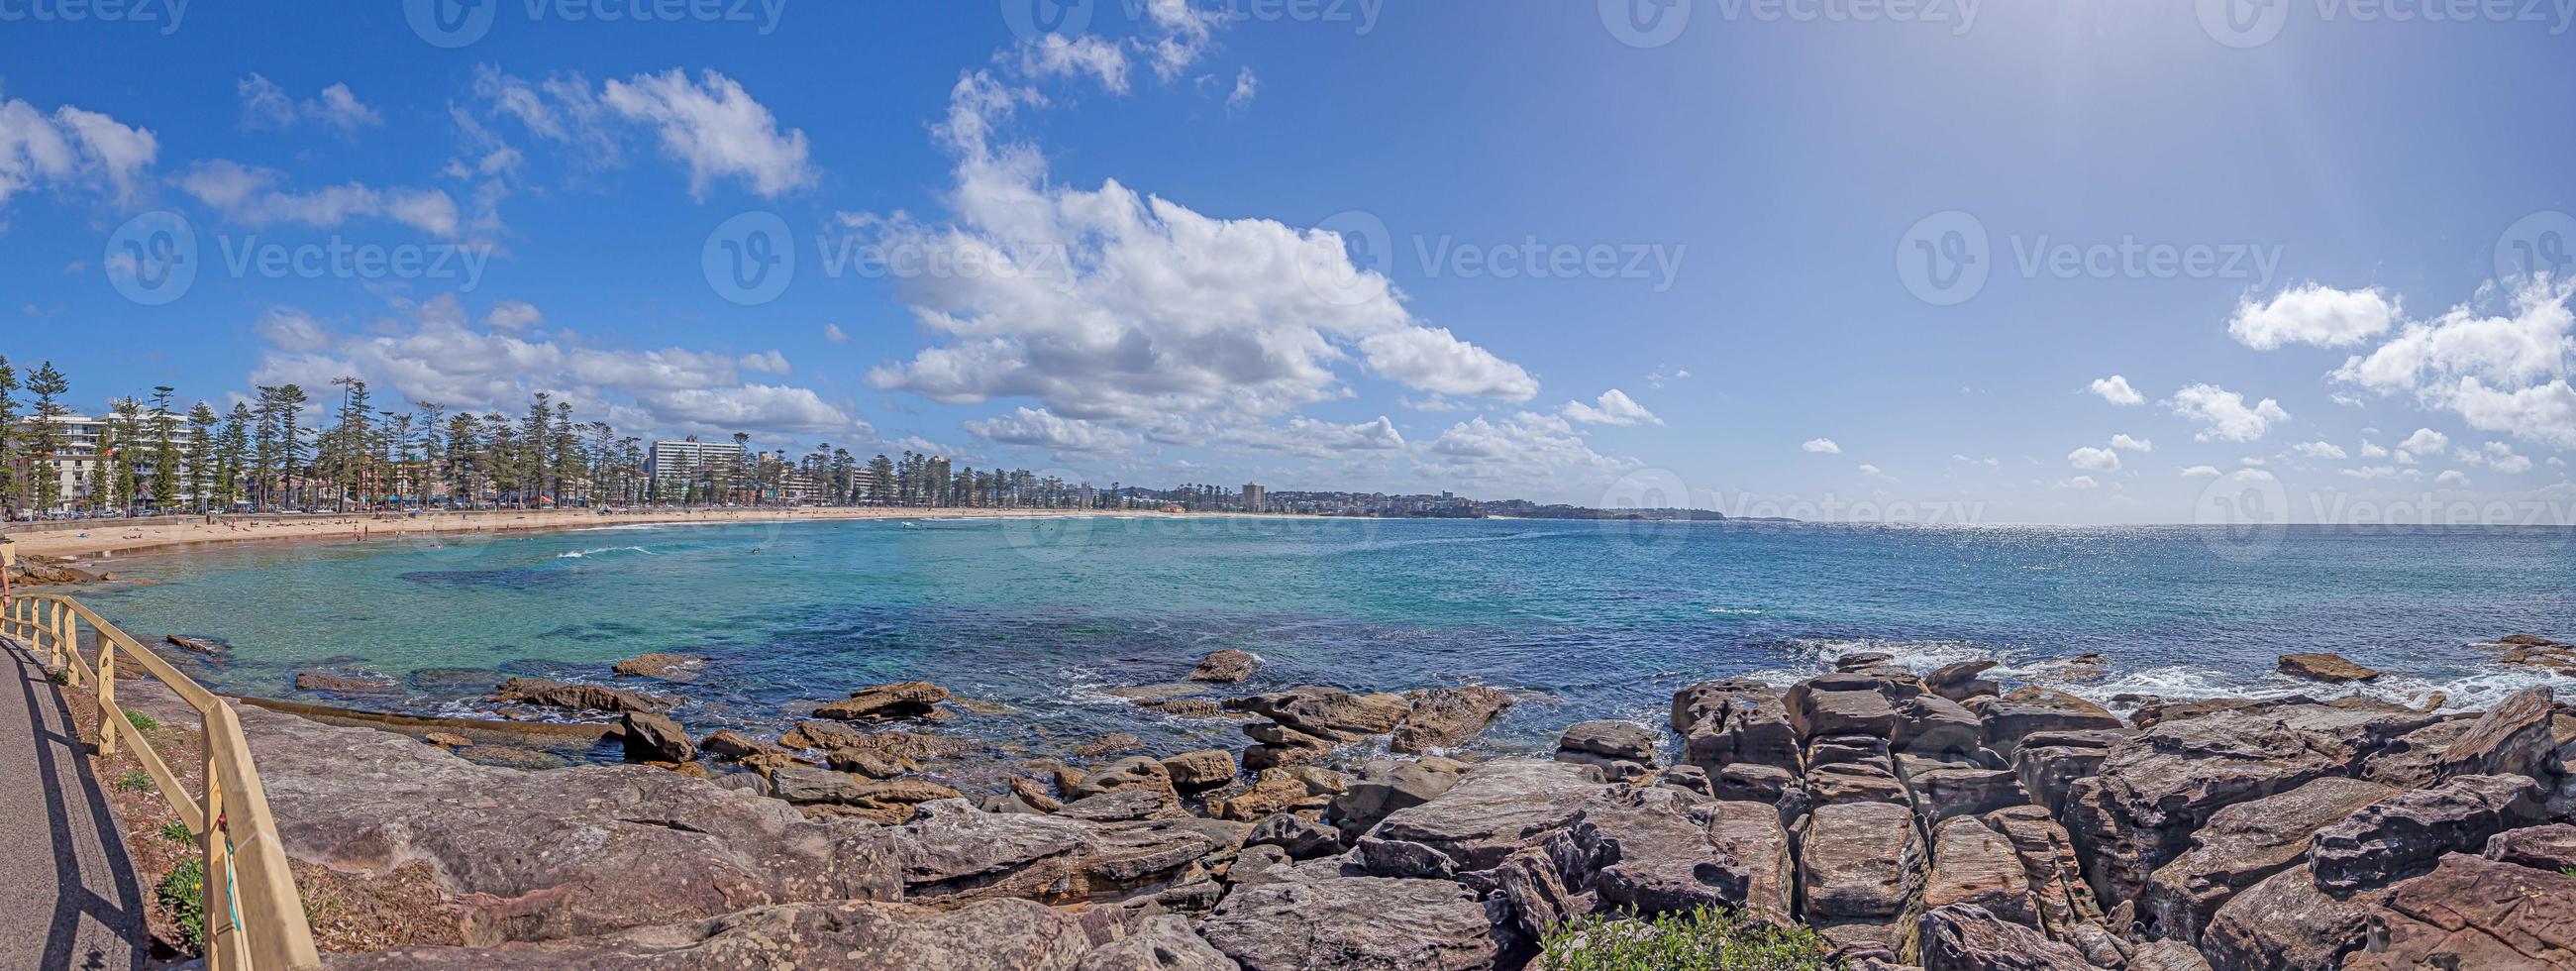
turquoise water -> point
(1588, 619)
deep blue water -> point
(1590, 619)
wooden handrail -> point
(254, 918)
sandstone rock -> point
(654, 738)
(1650, 851)
(1859, 861)
(2286, 922)
(1194, 772)
(1385, 786)
(200, 645)
(1621, 749)
(361, 683)
(577, 697)
(1836, 749)
(1109, 744)
(1745, 782)
(884, 802)
(953, 852)
(1733, 721)
(1972, 864)
(2414, 760)
(2327, 667)
(667, 667)
(1277, 790)
(2025, 711)
(729, 744)
(1302, 838)
(2405, 834)
(1496, 808)
(1933, 725)
(1125, 805)
(535, 855)
(2049, 863)
(446, 739)
(1226, 666)
(1034, 795)
(1842, 782)
(2167, 955)
(1281, 745)
(885, 702)
(1944, 790)
(1330, 714)
(2512, 738)
(830, 736)
(1447, 717)
(2551, 847)
(2475, 913)
(2243, 844)
(1965, 937)
(993, 935)
(1185, 708)
(1354, 922)
(1133, 772)
(2048, 763)
(1960, 682)
(1842, 704)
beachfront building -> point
(689, 470)
(1255, 498)
(75, 463)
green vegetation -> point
(176, 832)
(134, 781)
(1701, 940)
(61, 676)
(140, 721)
(183, 893)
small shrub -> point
(60, 676)
(177, 832)
(183, 893)
(1701, 940)
(134, 780)
(141, 721)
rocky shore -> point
(1943, 820)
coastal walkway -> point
(68, 895)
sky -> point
(1954, 262)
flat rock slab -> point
(1497, 808)
(2327, 667)
(2245, 843)
(2477, 913)
(1859, 860)
(1375, 923)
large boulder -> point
(1330, 714)
(1973, 864)
(1388, 785)
(1299, 837)
(956, 852)
(1753, 848)
(1496, 808)
(1621, 749)
(1654, 850)
(2406, 833)
(1846, 704)
(2243, 844)
(992, 935)
(1200, 771)
(661, 666)
(1933, 725)
(1357, 923)
(2284, 921)
(1447, 717)
(648, 737)
(2475, 913)
(1859, 862)
(2512, 738)
(886, 702)
(1226, 666)
(1134, 772)
(2325, 666)
(2049, 862)
(1736, 720)
(2049, 763)
(1961, 681)
(2022, 712)
(2415, 760)
(563, 853)
(1303, 788)
(575, 697)
(2551, 847)
(1966, 937)
(1941, 790)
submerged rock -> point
(667, 667)
(2324, 666)
(886, 702)
(361, 683)
(1447, 717)
(578, 697)
(1226, 666)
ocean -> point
(1033, 619)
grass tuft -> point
(183, 893)
(140, 721)
(1700, 940)
(176, 832)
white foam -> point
(584, 554)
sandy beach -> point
(116, 537)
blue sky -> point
(1508, 250)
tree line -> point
(279, 449)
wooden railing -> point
(254, 919)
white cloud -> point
(71, 148)
(513, 315)
(1039, 428)
(1054, 55)
(2251, 460)
(2369, 471)
(1824, 446)
(2318, 450)
(833, 333)
(2426, 441)
(2498, 456)
(1614, 407)
(2116, 390)
(265, 105)
(2452, 477)
(251, 196)
(2253, 475)
(1527, 449)
(769, 361)
(2079, 482)
(1656, 379)
(716, 127)
(2313, 314)
(2127, 443)
(2094, 459)
(1873, 472)
(2200, 472)
(2501, 372)
(2225, 415)
(2372, 450)
(1245, 86)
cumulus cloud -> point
(1613, 407)
(1245, 87)
(2224, 415)
(2200, 472)
(1871, 471)
(1824, 446)
(70, 148)
(2094, 459)
(2079, 482)
(436, 356)
(2253, 475)
(513, 315)
(833, 333)
(2128, 444)
(2498, 456)
(2367, 472)
(253, 197)
(2318, 450)
(2372, 450)
(710, 125)
(2426, 441)
(266, 106)
(2501, 371)
(2313, 314)
(2116, 390)
(1039, 428)
(2453, 478)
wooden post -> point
(220, 936)
(107, 695)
